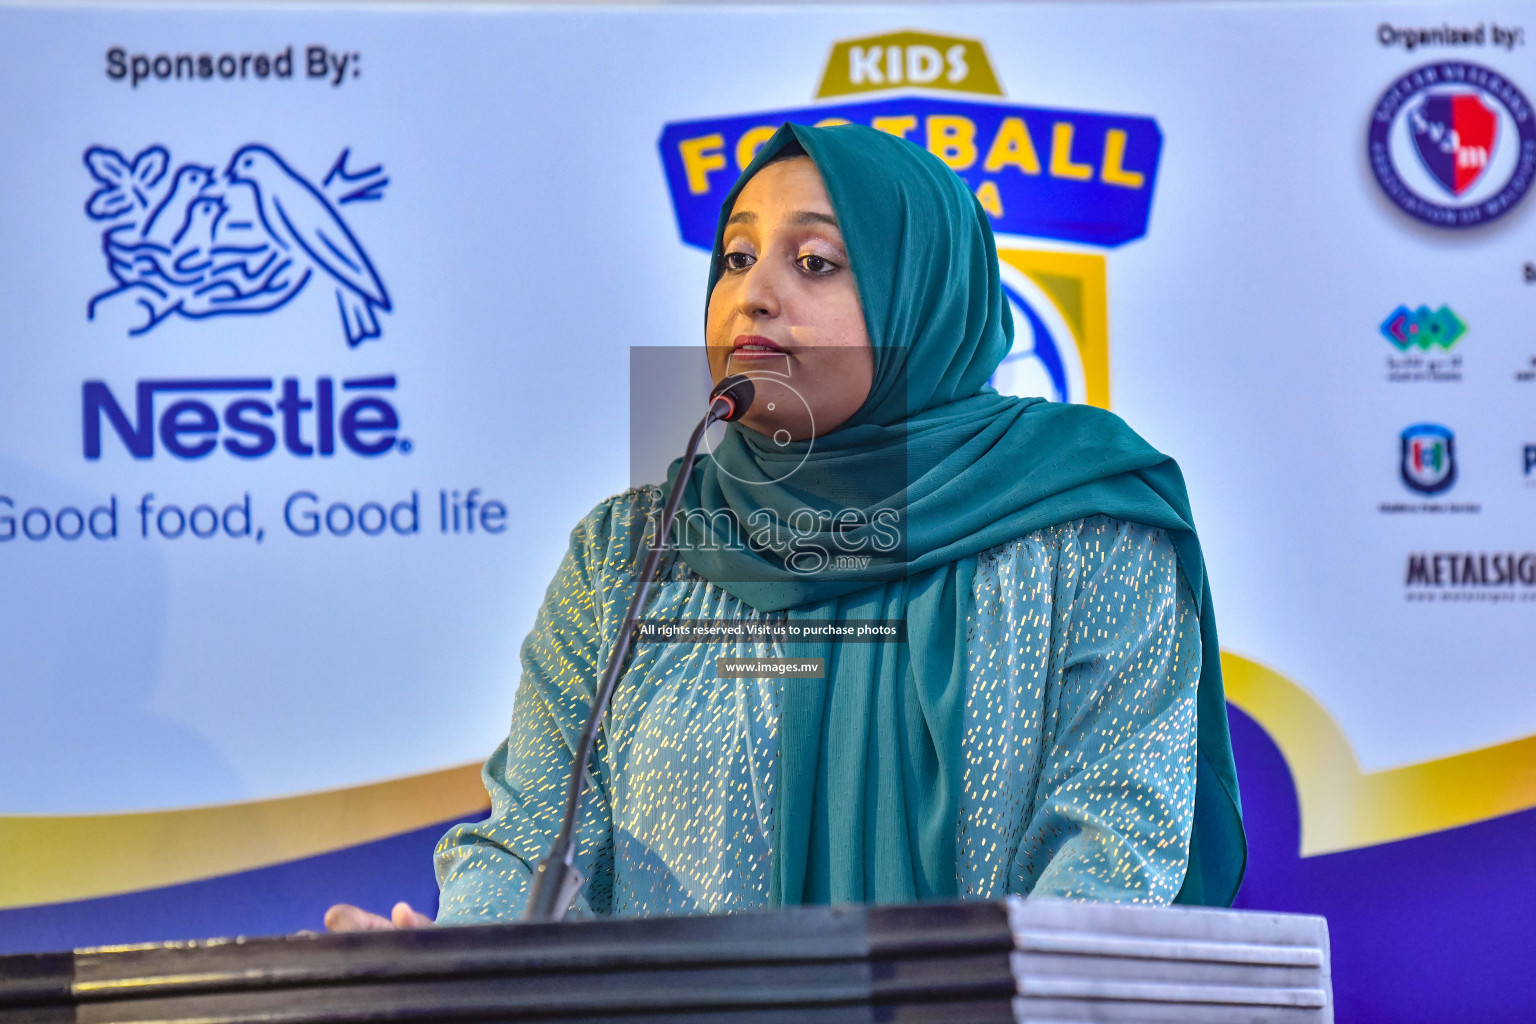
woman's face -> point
(786, 309)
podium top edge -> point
(849, 922)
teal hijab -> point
(933, 469)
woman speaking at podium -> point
(1053, 723)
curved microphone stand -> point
(556, 881)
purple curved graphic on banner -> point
(273, 900)
(1437, 929)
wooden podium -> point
(1017, 960)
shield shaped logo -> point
(1454, 134)
(1429, 458)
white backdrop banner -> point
(305, 313)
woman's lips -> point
(755, 346)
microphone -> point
(556, 880)
(736, 390)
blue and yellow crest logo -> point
(1078, 177)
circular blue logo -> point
(1034, 367)
(1453, 144)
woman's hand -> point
(344, 917)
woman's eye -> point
(818, 265)
(738, 260)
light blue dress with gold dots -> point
(1083, 657)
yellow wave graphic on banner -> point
(57, 859)
(1344, 808)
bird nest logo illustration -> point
(200, 244)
